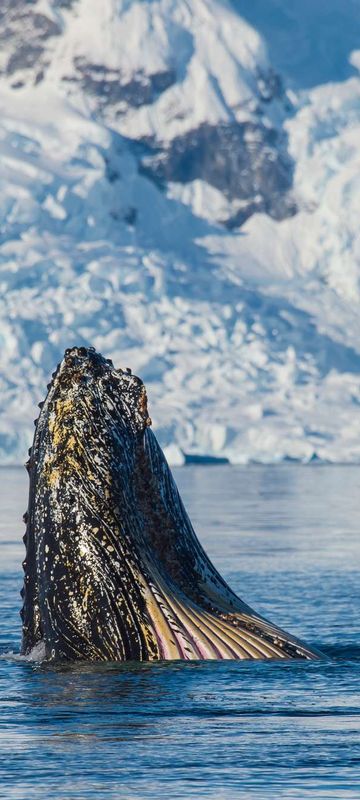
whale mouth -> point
(113, 569)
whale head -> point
(113, 569)
(82, 587)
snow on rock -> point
(190, 80)
(247, 338)
(320, 246)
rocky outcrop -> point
(24, 32)
(246, 162)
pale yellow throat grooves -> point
(184, 630)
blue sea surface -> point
(287, 539)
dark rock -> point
(64, 3)
(26, 32)
(111, 88)
(130, 216)
(246, 161)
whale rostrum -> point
(113, 569)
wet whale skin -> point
(113, 568)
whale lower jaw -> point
(184, 630)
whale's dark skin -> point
(113, 568)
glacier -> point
(171, 199)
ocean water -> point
(287, 540)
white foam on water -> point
(37, 654)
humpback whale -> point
(113, 568)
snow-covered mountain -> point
(165, 198)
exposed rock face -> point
(246, 162)
(110, 86)
(24, 31)
(240, 150)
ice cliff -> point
(166, 197)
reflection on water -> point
(287, 540)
